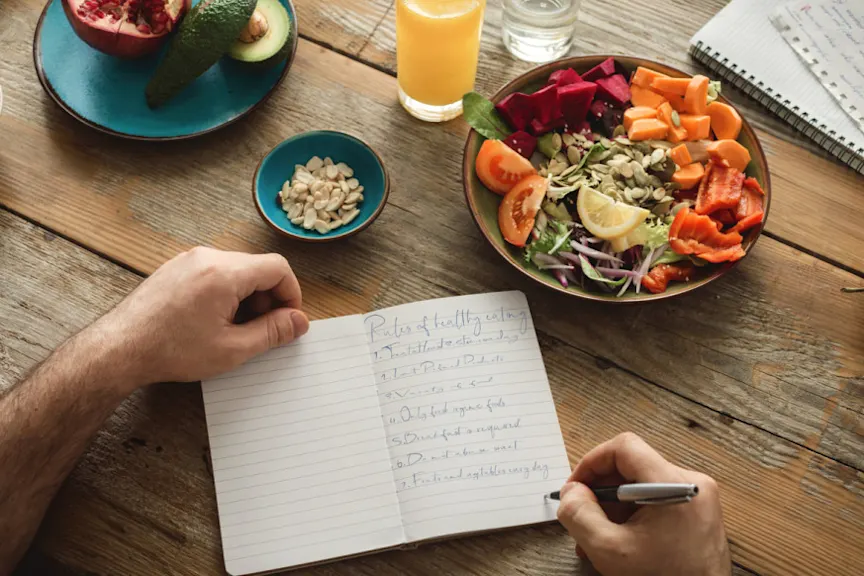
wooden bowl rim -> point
(543, 71)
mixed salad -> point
(615, 184)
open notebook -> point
(374, 431)
(741, 45)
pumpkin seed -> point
(637, 192)
(657, 156)
(573, 154)
(619, 131)
(676, 119)
(659, 194)
(568, 140)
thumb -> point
(275, 328)
(586, 521)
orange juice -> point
(437, 44)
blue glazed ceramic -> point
(107, 93)
(278, 166)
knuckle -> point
(706, 484)
(279, 332)
(629, 439)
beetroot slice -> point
(602, 70)
(522, 142)
(598, 107)
(614, 90)
(517, 110)
(546, 106)
(538, 128)
(564, 77)
(575, 100)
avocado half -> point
(271, 48)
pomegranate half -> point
(125, 28)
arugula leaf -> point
(549, 242)
(592, 274)
(481, 115)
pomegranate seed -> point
(160, 17)
(90, 5)
(157, 8)
(158, 28)
(99, 14)
(144, 28)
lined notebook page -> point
(471, 425)
(743, 36)
(300, 460)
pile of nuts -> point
(321, 195)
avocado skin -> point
(205, 35)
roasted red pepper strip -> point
(720, 188)
(748, 222)
(692, 233)
(657, 280)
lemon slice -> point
(607, 218)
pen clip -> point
(664, 501)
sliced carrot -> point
(676, 133)
(643, 77)
(698, 150)
(670, 86)
(725, 121)
(698, 127)
(677, 103)
(732, 152)
(721, 188)
(749, 222)
(681, 155)
(647, 129)
(689, 176)
(645, 97)
(696, 97)
(638, 113)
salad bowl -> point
(484, 204)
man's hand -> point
(204, 313)
(621, 539)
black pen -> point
(649, 494)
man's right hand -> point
(621, 539)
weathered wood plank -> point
(151, 201)
(142, 496)
(804, 210)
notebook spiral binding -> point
(848, 152)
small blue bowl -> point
(278, 166)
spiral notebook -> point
(742, 46)
(385, 430)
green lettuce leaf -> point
(550, 241)
(593, 274)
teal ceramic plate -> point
(484, 203)
(107, 93)
(278, 166)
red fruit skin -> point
(522, 142)
(614, 90)
(128, 45)
(575, 100)
(546, 106)
(517, 109)
(602, 70)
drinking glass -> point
(539, 30)
(437, 45)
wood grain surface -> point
(142, 497)
(757, 379)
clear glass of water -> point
(539, 30)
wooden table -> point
(757, 379)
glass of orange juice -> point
(437, 45)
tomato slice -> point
(519, 208)
(500, 167)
